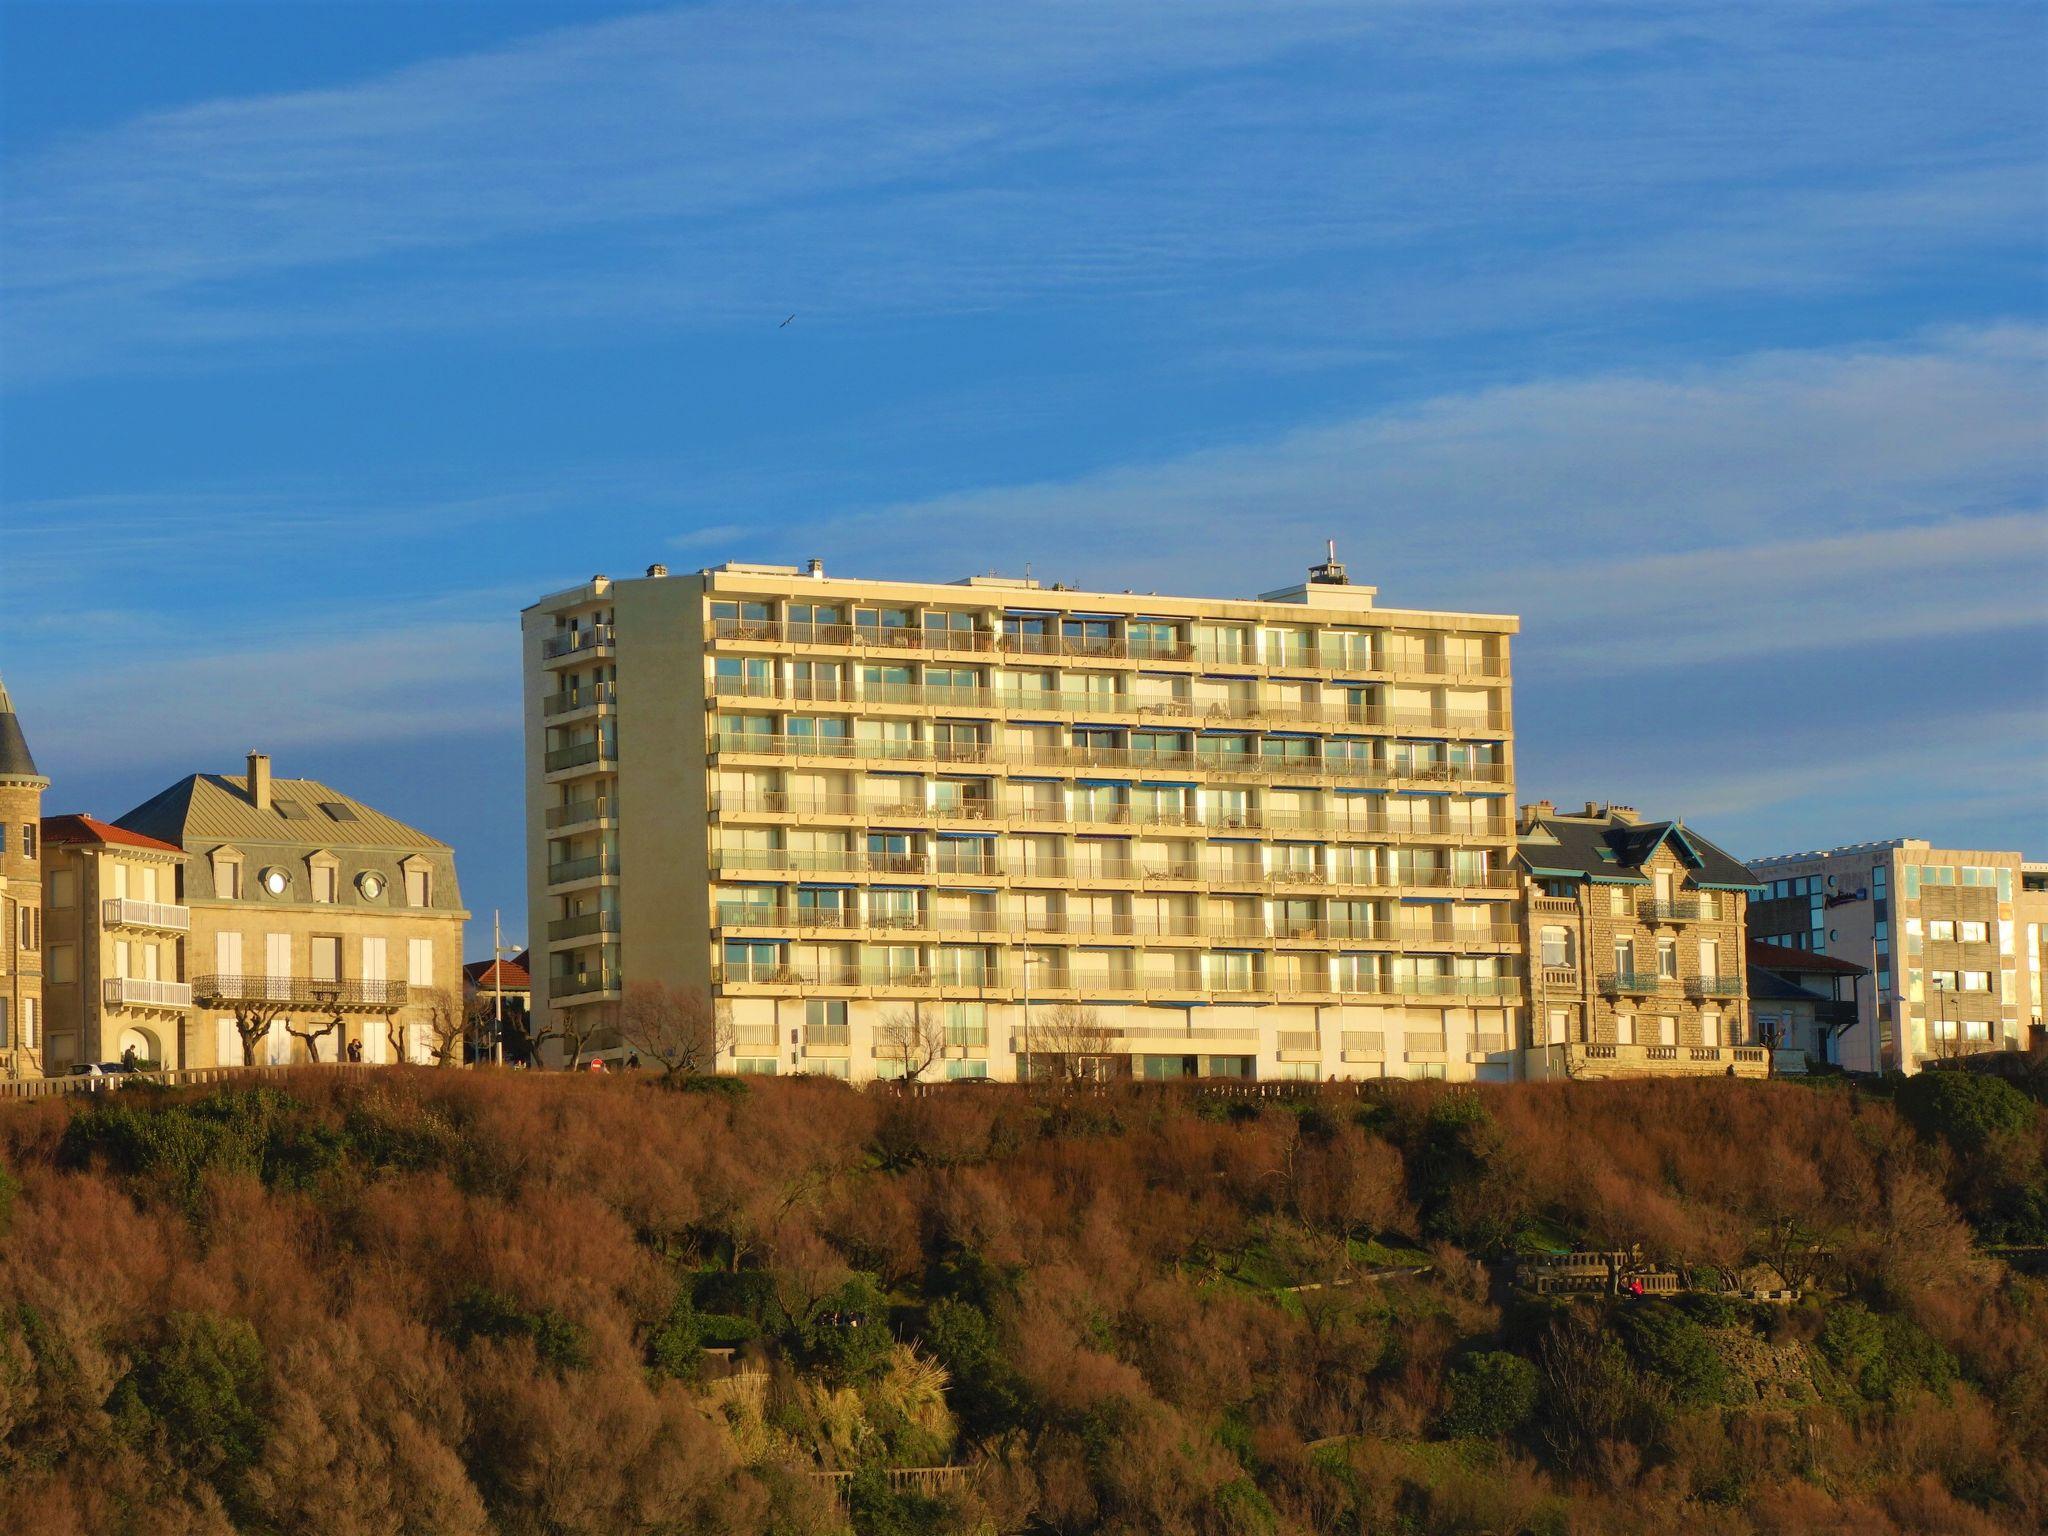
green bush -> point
(878, 1510)
(675, 1344)
(987, 1394)
(482, 1313)
(847, 1334)
(1492, 1393)
(1966, 1109)
(1675, 1350)
(1883, 1355)
(203, 1386)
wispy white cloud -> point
(697, 166)
(1607, 497)
(202, 700)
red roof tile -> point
(485, 973)
(78, 828)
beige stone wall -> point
(210, 1039)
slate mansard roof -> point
(206, 811)
(1613, 852)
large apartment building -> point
(1953, 938)
(21, 900)
(1635, 948)
(1259, 837)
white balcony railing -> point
(138, 992)
(121, 911)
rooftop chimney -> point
(815, 569)
(657, 570)
(1329, 573)
(259, 780)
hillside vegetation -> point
(465, 1302)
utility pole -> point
(499, 950)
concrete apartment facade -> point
(114, 949)
(1635, 942)
(21, 901)
(1942, 931)
(309, 919)
(1261, 837)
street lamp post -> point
(500, 950)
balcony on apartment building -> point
(589, 640)
(579, 755)
(1676, 909)
(1703, 987)
(591, 867)
(1047, 979)
(572, 700)
(145, 992)
(583, 985)
(983, 866)
(1092, 925)
(1637, 983)
(1254, 765)
(578, 813)
(309, 991)
(583, 925)
(1356, 657)
(123, 912)
(958, 698)
(982, 808)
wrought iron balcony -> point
(305, 991)
(1636, 981)
(1682, 909)
(1713, 986)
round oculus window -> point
(276, 881)
(371, 884)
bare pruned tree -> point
(1073, 1041)
(679, 1029)
(312, 1032)
(446, 1019)
(914, 1036)
(253, 1018)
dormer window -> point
(419, 886)
(227, 874)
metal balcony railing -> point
(1682, 909)
(1332, 656)
(1636, 981)
(582, 924)
(591, 637)
(579, 698)
(1187, 711)
(992, 866)
(141, 992)
(583, 983)
(578, 813)
(1713, 986)
(1086, 926)
(576, 756)
(312, 992)
(1088, 813)
(583, 869)
(1249, 764)
(122, 912)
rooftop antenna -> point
(1330, 572)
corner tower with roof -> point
(21, 900)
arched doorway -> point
(143, 1042)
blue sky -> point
(1711, 340)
